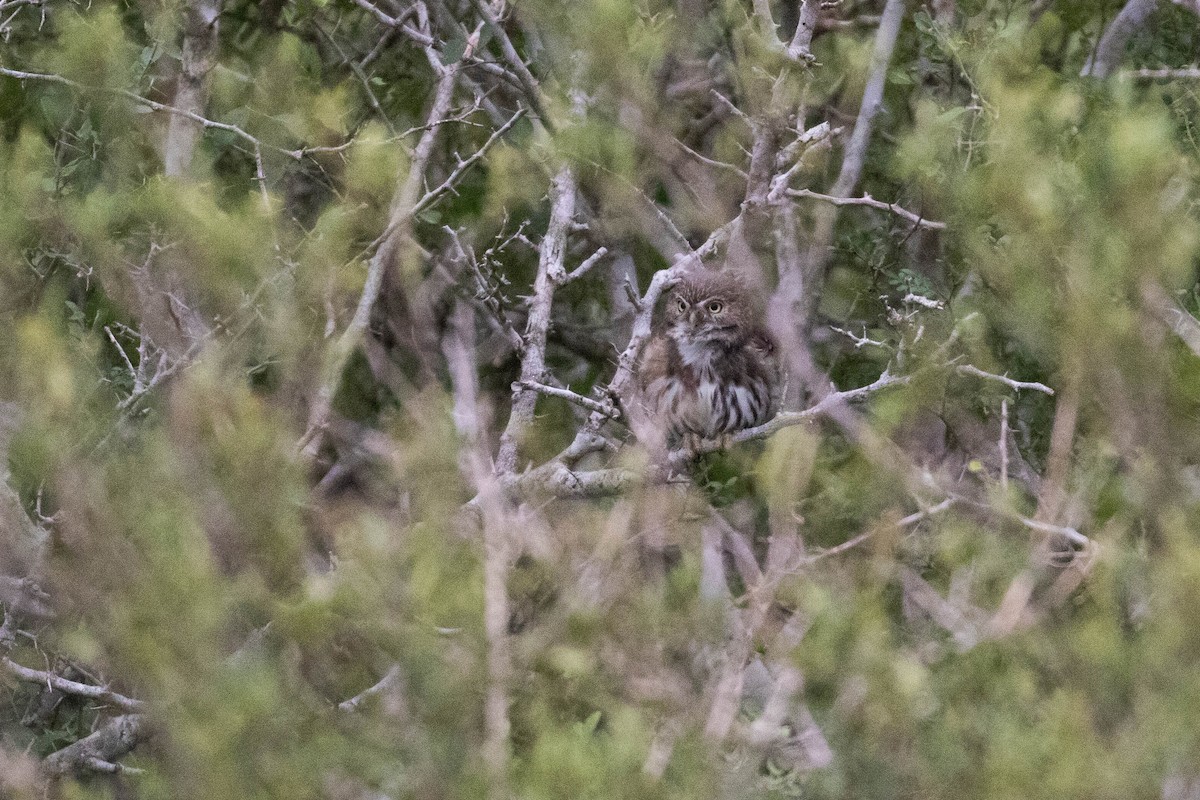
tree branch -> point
(801, 45)
(99, 750)
(200, 26)
(385, 684)
(817, 257)
(786, 419)
(55, 681)
(404, 204)
(550, 275)
(967, 369)
(1180, 73)
(1111, 48)
(871, 202)
(597, 406)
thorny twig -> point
(403, 207)
(55, 681)
(550, 275)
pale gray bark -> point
(826, 217)
(99, 751)
(550, 274)
(1111, 49)
(198, 55)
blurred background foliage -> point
(170, 531)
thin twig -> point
(587, 264)
(1167, 74)
(904, 522)
(712, 162)
(385, 684)
(1071, 534)
(55, 681)
(871, 202)
(402, 210)
(598, 407)
(423, 39)
(968, 369)
(124, 356)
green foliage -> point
(167, 339)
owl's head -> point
(708, 306)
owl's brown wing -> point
(654, 362)
(766, 352)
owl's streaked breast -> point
(710, 369)
(709, 391)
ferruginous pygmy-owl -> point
(710, 369)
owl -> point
(710, 368)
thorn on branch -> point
(56, 681)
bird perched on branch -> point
(710, 369)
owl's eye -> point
(715, 307)
(681, 304)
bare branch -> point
(7, 4)
(881, 57)
(967, 369)
(1173, 315)
(403, 206)
(527, 81)
(786, 419)
(417, 36)
(587, 264)
(1071, 534)
(378, 13)
(871, 202)
(556, 479)
(965, 631)
(1179, 73)
(860, 341)
(703, 159)
(1111, 48)
(801, 45)
(904, 522)
(110, 768)
(76, 688)
(455, 176)
(101, 749)
(800, 292)
(550, 274)
(1003, 445)
(124, 357)
(598, 407)
(200, 23)
(385, 684)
